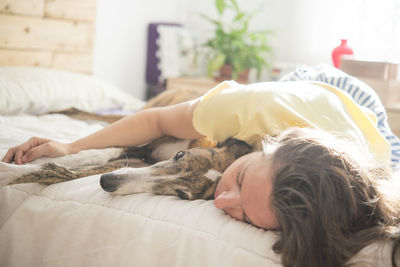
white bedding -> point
(76, 223)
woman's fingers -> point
(48, 149)
(17, 153)
(9, 156)
(18, 156)
(34, 153)
(34, 148)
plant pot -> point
(225, 73)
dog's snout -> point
(109, 182)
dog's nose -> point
(109, 182)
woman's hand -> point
(136, 129)
(34, 148)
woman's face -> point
(244, 191)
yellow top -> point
(248, 112)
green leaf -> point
(220, 4)
(239, 16)
(235, 5)
(216, 22)
(215, 64)
(234, 44)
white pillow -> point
(39, 90)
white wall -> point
(306, 31)
(121, 32)
(121, 37)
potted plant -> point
(234, 50)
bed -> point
(76, 223)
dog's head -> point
(190, 174)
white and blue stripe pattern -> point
(361, 93)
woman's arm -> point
(142, 127)
(139, 128)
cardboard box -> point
(369, 69)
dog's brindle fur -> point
(192, 173)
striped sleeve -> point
(360, 92)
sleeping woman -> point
(322, 179)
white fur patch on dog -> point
(138, 180)
(213, 174)
(133, 187)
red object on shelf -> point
(338, 52)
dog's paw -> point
(11, 172)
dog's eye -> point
(179, 155)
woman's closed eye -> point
(239, 179)
(247, 219)
(239, 182)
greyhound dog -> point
(188, 169)
(189, 174)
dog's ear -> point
(236, 147)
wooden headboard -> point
(48, 33)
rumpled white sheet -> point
(76, 223)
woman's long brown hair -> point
(329, 205)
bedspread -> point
(76, 223)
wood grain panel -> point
(73, 62)
(45, 34)
(71, 9)
(23, 7)
(25, 58)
